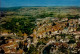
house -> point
(79, 21)
(12, 51)
(10, 45)
(64, 19)
(58, 37)
(25, 36)
(53, 50)
(76, 32)
(65, 31)
(20, 51)
(78, 45)
(12, 40)
(6, 50)
(65, 45)
(5, 33)
(77, 36)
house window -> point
(49, 32)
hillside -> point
(40, 12)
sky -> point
(14, 3)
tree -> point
(71, 41)
(63, 49)
(63, 35)
(73, 16)
(32, 50)
(22, 25)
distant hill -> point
(41, 11)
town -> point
(51, 36)
(39, 26)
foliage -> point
(41, 43)
(63, 49)
(41, 12)
(71, 41)
(73, 16)
(78, 29)
(20, 25)
(32, 50)
(63, 35)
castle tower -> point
(34, 36)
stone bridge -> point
(49, 42)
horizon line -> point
(40, 6)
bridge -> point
(44, 46)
